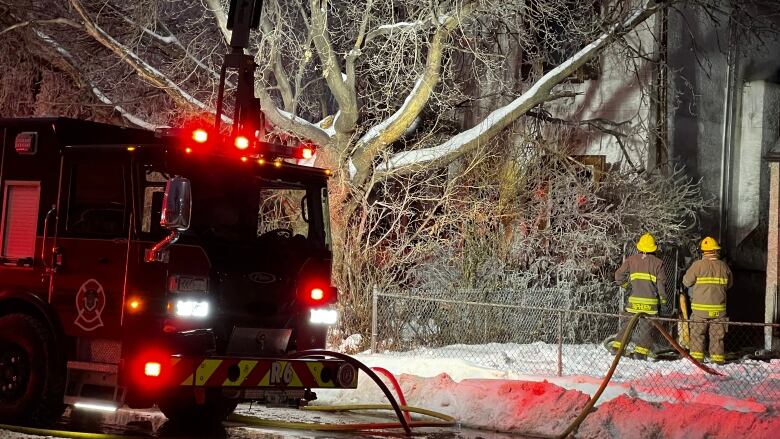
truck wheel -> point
(32, 384)
(183, 408)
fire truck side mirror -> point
(177, 204)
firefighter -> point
(710, 278)
(645, 274)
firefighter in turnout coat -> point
(645, 273)
(710, 278)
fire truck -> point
(179, 267)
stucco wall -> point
(621, 94)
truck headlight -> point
(187, 308)
(323, 316)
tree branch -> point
(86, 83)
(597, 123)
(499, 119)
(144, 70)
(331, 69)
(289, 122)
(280, 75)
(219, 14)
(60, 20)
(392, 128)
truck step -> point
(93, 367)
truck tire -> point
(183, 408)
(32, 382)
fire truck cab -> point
(142, 268)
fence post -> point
(560, 343)
(374, 300)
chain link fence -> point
(549, 342)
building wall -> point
(725, 118)
(621, 94)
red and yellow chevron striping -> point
(262, 373)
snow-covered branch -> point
(502, 117)
(143, 69)
(127, 115)
(289, 122)
(22, 24)
(219, 14)
(171, 39)
(392, 128)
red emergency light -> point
(241, 142)
(317, 294)
(152, 369)
(200, 135)
(307, 153)
(149, 368)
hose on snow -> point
(627, 334)
(401, 410)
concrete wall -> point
(758, 130)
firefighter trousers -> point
(642, 334)
(700, 328)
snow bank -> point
(664, 399)
(748, 385)
(541, 407)
(629, 417)
(505, 405)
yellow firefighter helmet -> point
(709, 244)
(646, 244)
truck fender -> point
(22, 301)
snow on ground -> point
(666, 399)
(661, 399)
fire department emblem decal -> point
(90, 301)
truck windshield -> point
(234, 208)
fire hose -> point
(401, 410)
(586, 410)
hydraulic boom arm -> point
(243, 16)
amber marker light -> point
(134, 305)
(131, 148)
(260, 161)
(244, 159)
(188, 150)
(278, 163)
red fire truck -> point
(180, 267)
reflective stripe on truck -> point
(262, 373)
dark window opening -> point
(553, 43)
(97, 203)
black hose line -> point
(367, 370)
